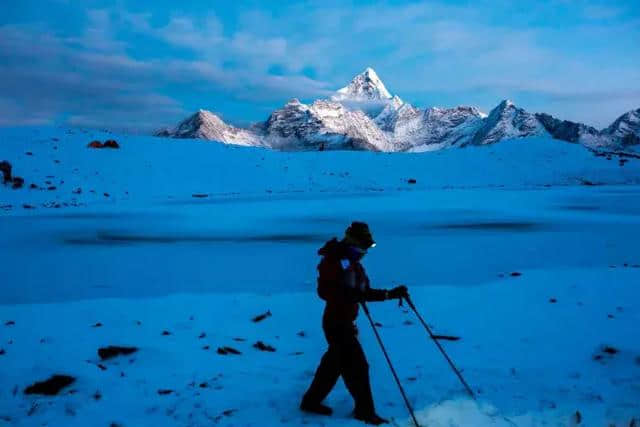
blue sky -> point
(139, 65)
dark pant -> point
(343, 358)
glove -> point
(399, 292)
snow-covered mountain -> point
(366, 86)
(206, 125)
(323, 124)
(626, 128)
(507, 121)
(364, 115)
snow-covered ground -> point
(141, 255)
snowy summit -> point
(366, 86)
(364, 115)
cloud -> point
(125, 67)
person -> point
(343, 284)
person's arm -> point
(366, 293)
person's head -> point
(358, 239)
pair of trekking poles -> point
(433, 338)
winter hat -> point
(358, 234)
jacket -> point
(343, 286)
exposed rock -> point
(50, 387)
(112, 351)
(111, 143)
(18, 182)
(227, 350)
(263, 347)
(446, 337)
(163, 392)
(95, 144)
(261, 317)
(5, 168)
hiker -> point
(343, 283)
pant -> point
(345, 358)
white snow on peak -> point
(366, 86)
(507, 121)
(206, 125)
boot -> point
(316, 408)
(372, 419)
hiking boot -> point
(317, 408)
(372, 419)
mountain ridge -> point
(364, 115)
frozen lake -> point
(267, 244)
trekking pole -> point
(435, 340)
(393, 371)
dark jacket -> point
(342, 286)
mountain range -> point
(364, 116)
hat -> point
(358, 234)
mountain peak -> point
(366, 86)
(506, 103)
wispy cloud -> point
(125, 67)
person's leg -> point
(355, 373)
(325, 379)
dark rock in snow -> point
(166, 333)
(2, 352)
(162, 392)
(577, 417)
(18, 182)
(202, 335)
(199, 195)
(9, 323)
(446, 337)
(263, 347)
(610, 350)
(261, 317)
(553, 300)
(111, 143)
(5, 168)
(412, 181)
(50, 387)
(112, 351)
(516, 274)
(227, 350)
(97, 325)
(28, 206)
(33, 186)
(29, 153)
(95, 144)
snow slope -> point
(196, 238)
